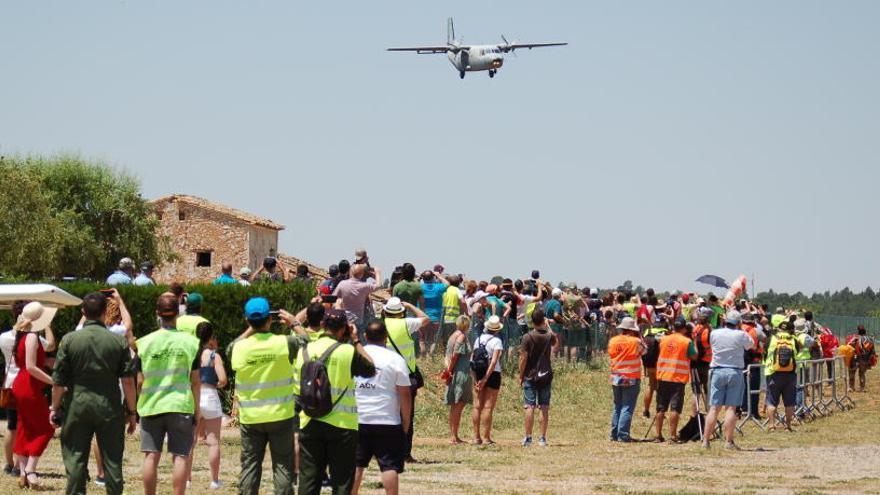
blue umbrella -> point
(714, 281)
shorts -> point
(11, 419)
(387, 443)
(726, 387)
(494, 381)
(781, 384)
(178, 427)
(209, 404)
(536, 396)
(670, 395)
(651, 374)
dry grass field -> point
(837, 454)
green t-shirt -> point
(408, 292)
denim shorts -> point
(535, 396)
(726, 387)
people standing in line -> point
(34, 432)
(331, 440)
(7, 346)
(780, 367)
(487, 386)
(536, 375)
(212, 376)
(145, 277)
(187, 323)
(86, 398)
(433, 288)
(169, 390)
(726, 381)
(265, 388)
(673, 374)
(459, 382)
(864, 358)
(384, 411)
(124, 273)
(402, 336)
(225, 275)
(625, 351)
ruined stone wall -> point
(200, 230)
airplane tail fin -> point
(450, 31)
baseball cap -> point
(257, 308)
(245, 271)
(194, 300)
(333, 271)
(556, 292)
(733, 317)
(147, 266)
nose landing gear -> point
(492, 72)
(461, 74)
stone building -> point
(204, 235)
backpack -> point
(315, 397)
(783, 356)
(480, 359)
(864, 347)
(698, 338)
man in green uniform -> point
(169, 400)
(264, 387)
(331, 440)
(86, 399)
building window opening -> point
(203, 259)
(181, 216)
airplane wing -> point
(421, 49)
(532, 45)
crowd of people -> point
(340, 387)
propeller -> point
(455, 47)
(508, 48)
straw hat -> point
(36, 316)
(493, 324)
(394, 306)
(628, 323)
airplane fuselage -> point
(477, 58)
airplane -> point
(472, 58)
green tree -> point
(65, 216)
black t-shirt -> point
(537, 344)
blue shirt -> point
(499, 307)
(142, 279)
(224, 279)
(118, 277)
(551, 308)
(433, 295)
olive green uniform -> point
(89, 364)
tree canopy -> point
(65, 216)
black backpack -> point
(480, 360)
(315, 397)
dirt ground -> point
(836, 454)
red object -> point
(737, 289)
(34, 429)
(829, 344)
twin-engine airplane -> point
(472, 58)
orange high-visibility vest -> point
(757, 351)
(626, 356)
(673, 364)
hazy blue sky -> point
(669, 140)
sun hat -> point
(38, 316)
(394, 306)
(628, 323)
(800, 325)
(556, 292)
(126, 263)
(493, 324)
(244, 271)
(733, 317)
(257, 308)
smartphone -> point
(329, 299)
(273, 315)
(106, 292)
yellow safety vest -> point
(398, 332)
(188, 323)
(344, 414)
(167, 356)
(264, 378)
(451, 307)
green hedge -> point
(223, 305)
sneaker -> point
(646, 413)
(659, 439)
(705, 445)
(99, 480)
(189, 484)
(731, 446)
(527, 442)
(215, 485)
(16, 472)
(542, 442)
(7, 469)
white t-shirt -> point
(377, 400)
(521, 308)
(492, 344)
(7, 342)
(117, 328)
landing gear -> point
(491, 73)
(461, 74)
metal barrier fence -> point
(822, 387)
